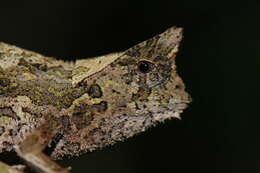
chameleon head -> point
(161, 93)
(146, 87)
(135, 91)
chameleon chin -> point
(86, 105)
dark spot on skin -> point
(42, 67)
(36, 65)
(7, 144)
(95, 91)
(4, 82)
(144, 66)
(13, 132)
(2, 130)
(82, 83)
(112, 65)
(103, 74)
(57, 137)
(22, 62)
(26, 64)
(114, 91)
(101, 107)
(8, 112)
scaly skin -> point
(79, 107)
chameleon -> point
(80, 106)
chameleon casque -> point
(81, 106)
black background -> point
(218, 60)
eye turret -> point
(145, 66)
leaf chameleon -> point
(88, 104)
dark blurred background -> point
(219, 61)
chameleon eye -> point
(145, 66)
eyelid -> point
(143, 59)
(153, 64)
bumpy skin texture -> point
(91, 103)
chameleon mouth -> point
(173, 109)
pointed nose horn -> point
(166, 44)
(169, 42)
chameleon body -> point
(77, 107)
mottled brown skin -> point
(78, 108)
